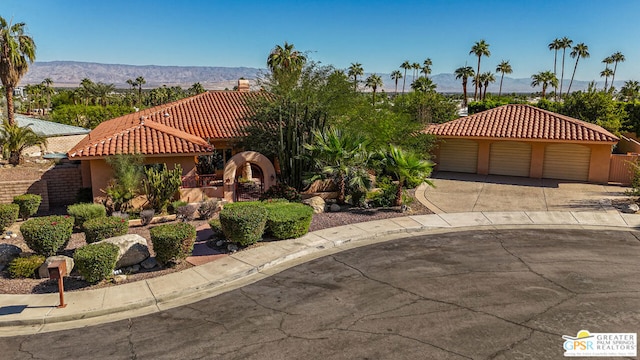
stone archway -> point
(237, 161)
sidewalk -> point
(27, 314)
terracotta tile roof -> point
(520, 121)
(179, 127)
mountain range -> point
(71, 73)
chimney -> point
(243, 85)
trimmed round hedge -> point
(243, 222)
(25, 267)
(83, 212)
(99, 229)
(172, 243)
(48, 234)
(96, 262)
(288, 220)
(8, 215)
(28, 203)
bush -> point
(25, 267)
(160, 184)
(96, 262)
(173, 242)
(208, 208)
(288, 220)
(48, 234)
(186, 213)
(83, 212)
(386, 196)
(243, 222)
(173, 207)
(8, 215)
(281, 191)
(28, 203)
(99, 229)
(216, 227)
(146, 216)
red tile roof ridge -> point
(175, 132)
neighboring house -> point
(174, 133)
(60, 137)
(522, 140)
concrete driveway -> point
(459, 192)
(490, 294)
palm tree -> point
(579, 51)
(407, 167)
(554, 46)
(338, 155)
(48, 91)
(354, 71)
(139, 82)
(14, 139)
(426, 67)
(423, 84)
(87, 88)
(374, 81)
(416, 67)
(504, 68)
(286, 64)
(605, 74)
(406, 65)
(630, 90)
(565, 43)
(479, 49)
(102, 92)
(196, 88)
(616, 57)
(17, 52)
(486, 78)
(395, 76)
(464, 73)
(544, 78)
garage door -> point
(510, 158)
(566, 161)
(458, 155)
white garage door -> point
(510, 158)
(458, 155)
(566, 161)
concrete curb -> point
(27, 314)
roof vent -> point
(166, 114)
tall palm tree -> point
(605, 74)
(17, 52)
(565, 43)
(616, 57)
(503, 68)
(406, 65)
(140, 81)
(630, 90)
(407, 167)
(486, 78)
(355, 70)
(374, 81)
(544, 78)
(286, 65)
(464, 73)
(395, 76)
(579, 51)
(479, 49)
(14, 139)
(423, 84)
(87, 88)
(48, 91)
(426, 67)
(416, 67)
(102, 93)
(554, 46)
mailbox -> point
(57, 269)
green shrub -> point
(386, 196)
(83, 212)
(28, 203)
(243, 222)
(288, 220)
(96, 262)
(48, 234)
(216, 227)
(8, 215)
(25, 267)
(99, 229)
(208, 208)
(281, 191)
(173, 207)
(173, 242)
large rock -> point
(43, 270)
(335, 208)
(317, 203)
(8, 252)
(132, 249)
(631, 208)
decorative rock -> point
(220, 243)
(150, 263)
(232, 248)
(335, 208)
(132, 249)
(8, 252)
(119, 278)
(43, 270)
(135, 268)
(317, 203)
(631, 208)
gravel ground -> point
(72, 283)
(30, 170)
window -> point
(208, 164)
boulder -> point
(8, 252)
(132, 249)
(150, 263)
(335, 208)
(317, 203)
(43, 271)
(631, 208)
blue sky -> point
(378, 34)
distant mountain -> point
(70, 73)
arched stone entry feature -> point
(237, 163)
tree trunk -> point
(574, 74)
(613, 76)
(475, 93)
(501, 78)
(342, 188)
(464, 92)
(10, 110)
(561, 75)
(404, 79)
(15, 158)
(399, 193)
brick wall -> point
(15, 188)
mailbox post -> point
(57, 270)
